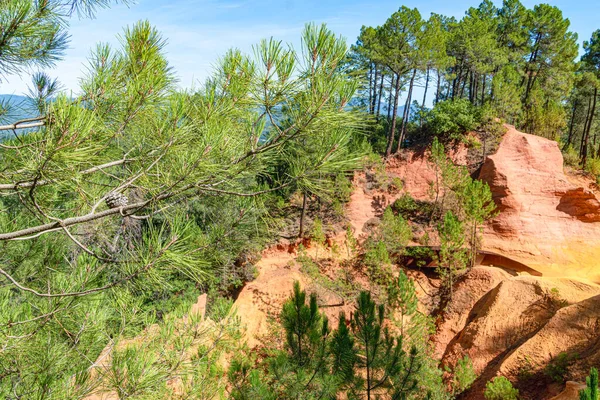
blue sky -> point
(199, 31)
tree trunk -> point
(455, 84)
(570, 137)
(379, 96)
(426, 87)
(302, 215)
(483, 82)
(528, 71)
(406, 113)
(439, 86)
(389, 107)
(585, 123)
(471, 88)
(390, 144)
(374, 97)
(370, 88)
(462, 90)
(589, 128)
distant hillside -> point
(18, 106)
(18, 109)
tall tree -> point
(433, 51)
(548, 74)
(591, 62)
(381, 355)
(397, 50)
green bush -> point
(557, 369)
(571, 157)
(591, 390)
(593, 166)
(451, 119)
(500, 388)
(342, 188)
(405, 206)
(463, 375)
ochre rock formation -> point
(545, 220)
(571, 391)
(515, 325)
(471, 288)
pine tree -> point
(453, 258)
(343, 352)
(397, 49)
(303, 324)
(381, 355)
(478, 207)
(135, 191)
(591, 391)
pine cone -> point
(115, 200)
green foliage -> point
(478, 206)
(303, 324)
(317, 235)
(380, 354)
(500, 388)
(463, 375)
(218, 307)
(593, 166)
(453, 257)
(405, 206)
(247, 382)
(141, 196)
(452, 119)
(385, 245)
(342, 188)
(591, 390)
(571, 157)
(377, 259)
(402, 298)
(394, 231)
(343, 352)
(558, 368)
(556, 298)
(359, 359)
(449, 180)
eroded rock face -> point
(467, 293)
(517, 326)
(571, 391)
(544, 220)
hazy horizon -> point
(200, 31)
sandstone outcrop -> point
(518, 326)
(571, 391)
(545, 220)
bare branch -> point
(24, 124)
(20, 185)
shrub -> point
(571, 157)
(394, 231)
(593, 166)
(591, 390)
(218, 307)
(500, 388)
(342, 188)
(406, 206)
(463, 375)
(452, 119)
(557, 369)
(556, 298)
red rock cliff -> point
(545, 220)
